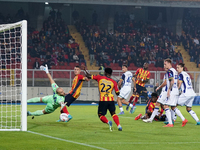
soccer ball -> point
(64, 117)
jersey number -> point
(188, 81)
(129, 79)
(103, 88)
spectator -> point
(91, 52)
(36, 64)
(81, 59)
(101, 68)
(196, 41)
(75, 58)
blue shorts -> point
(69, 99)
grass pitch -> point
(86, 132)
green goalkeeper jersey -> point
(56, 98)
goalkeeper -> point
(53, 101)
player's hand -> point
(86, 79)
(157, 89)
(44, 68)
(62, 105)
(135, 89)
(83, 67)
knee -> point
(112, 113)
(188, 108)
(100, 115)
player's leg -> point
(34, 100)
(177, 111)
(119, 98)
(102, 110)
(188, 104)
(111, 108)
(48, 109)
(44, 99)
(168, 115)
(69, 99)
(155, 112)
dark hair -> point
(125, 65)
(168, 60)
(108, 71)
(78, 67)
(154, 94)
(182, 65)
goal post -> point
(13, 76)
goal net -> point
(13, 76)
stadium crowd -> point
(131, 42)
(52, 45)
(191, 35)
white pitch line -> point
(126, 117)
(92, 146)
(142, 143)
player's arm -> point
(134, 83)
(162, 85)
(180, 80)
(171, 79)
(116, 88)
(87, 73)
(45, 68)
(121, 80)
(147, 79)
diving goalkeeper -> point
(53, 101)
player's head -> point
(167, 63)
(154, 97)
(124, 68)
(108, 72)
(60, 91)
(180, 67)
(145, 65)
(77, 70)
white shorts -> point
(162, 97)
(172, 100)
(185, 100)
(124, 93)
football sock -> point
(168, 114)
(37, 113)
(130, 105)
(173, 114)
(34, 100)
(131, 98)
(121, 109)
(103, 119)
(194, 116)
(64, 110)
(155, 112)
(116, 119)
(135, 101)
(177, 111)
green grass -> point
(85, 127)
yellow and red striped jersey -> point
(106, 86)
(77, 85)
(142, 74)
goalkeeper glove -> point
(44, 68)
(62, 105)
